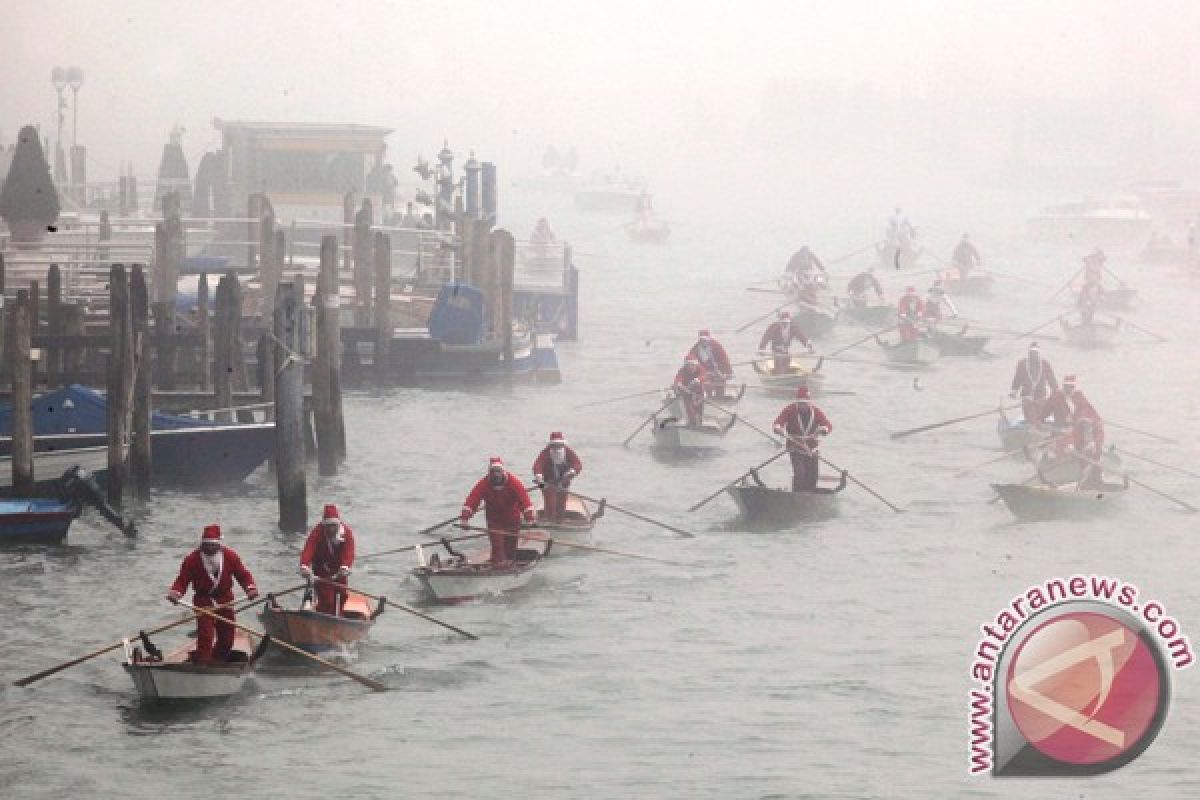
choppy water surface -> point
(827, 661)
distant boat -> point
(39, 521)
(610, 192)
(1091, 222)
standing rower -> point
(908, 314)
(210, 570)
(802, 422)
(689, 388)
(329, 554)
(860, 284)
(779, 336)
(1033, 381)
(714, 361)
(965, 257)
(554, 469)
(506, 502)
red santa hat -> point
(495, 462)
(558, 438)
(330, 514)
(1069, 381)
(785, 315)
(704, 334)
(211, 533)
(802, 393)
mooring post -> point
(264, 356)
(120, 380)
(53, 326)
(347, 236)
(74, 324)
(3, 322)
(222, 348)
(361, 252)
(289, 407)
(204, 329)
(22, 397)
(326, 385)
(165, 353)
(139, 455)
(504, 255)
(268, 261)
(383, 306)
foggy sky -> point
(616, 79)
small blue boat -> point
(42, 521)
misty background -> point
(769, 113)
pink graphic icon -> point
(1084, 688)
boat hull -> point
(787, 382)
(959, 344)
(917, 353)
(1090, 335)
(175, 680)
(317, 632)
(36, 521)
(1041, 503)
(476, 578)
(575, 527)
(761, 504)
(873, 317)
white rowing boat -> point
(174, 677)
(461, 578)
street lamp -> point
(75, 80)
(58, 77)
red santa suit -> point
(803, 422)
(555, 467)
(1033, 381)
(211, 579)
(329, 554)
(506, 501)
(860, 284)
(689, 388)
(715, 362)
(1081, 408)
(779, 336)
(908, 313)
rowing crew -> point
(916, 317)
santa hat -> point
(557, 438)
(785, 315)
(1069, 381)
(802, 393)
(330, 513)
(212, 533)
(1033, 346)
(704, 334)
(495, 462)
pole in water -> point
(289, 407)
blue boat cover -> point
(77, 409)
(457, 315)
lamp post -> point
(74, 80)
(58, 77)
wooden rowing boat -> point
(461, 578)
(914, 353)
(816, 322)
(675, 439)
(1038, 503)
(959, 344)
(174, 678)
(317, 632)
(1067, 468)
(759, 503)
(1090, 335)
(576, 525)
(787, 382)
(978, 284)
(873, 317)
(37, 521)
(1017, 434)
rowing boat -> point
(174, 677)
(673, 438)
(317, 632)
(978, 284)
(814, 321)
(959, 344)
(759, 503)
(873, 317)
(461, 578)
(1035, 503)
(1017, 434)
(34, 520)
(913, 353)
(1090, 335)
(796, 375)
(1067, 468)
(576, 525)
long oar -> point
(1032, 331)
(862, 485)
(956, 420)
(408, 548)
(1063, 288)
(764, 290)
(757, 320)
(401, 606)
(217, 618)
(646, 422)
(1171, 467)
(822, 391)
(736, 480)
(1112, 424)
(617, 399)
(635, 515)
(1008, 331)
(1147, 331)
(1136, 482)
(1018, 278)
(37, 676)
(559, 543)
(863, 340)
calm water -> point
(827, 661)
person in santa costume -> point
(689, 388)
(714, 360)
(802, 422)
(1034, 382)
(779, 336)
(908, 314)
(938, 306)
(329, 554)
(554, 469)
(860, 285)
(1082, 408)
(506, 502)
(210, 571)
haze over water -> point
(827, 661)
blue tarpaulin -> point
(77, 409)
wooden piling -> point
(120, 380)
(204, 328)
(224, 336)
(20, 378)
(74, 323)
(504, 258)
(383, 306)
(3, 323)
(140, 461)
(289, 408)
(166, 356)
(363, 262)
(264, 356)
(104, 235)
(268, 269)
(168, 287)
(325, 365)
(347, 230)
(53, 358)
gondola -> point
(1045, 502)
(1067, 468)
(919, 352)
(174, 677)
(1090, 335)
(317, 632)
(759, 503)
(461, 577)
(576, 525)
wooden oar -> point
(617, 399)
(401, 606)
(37, 676)
(1064, 287)
(1180, 470)
(1047, 324)
(217, 618)
(635, 515)
(861, 485)
(408, 548)
(823, 392)
(432, 528)
(1118, 425)
(764, 291)
(757, 320)
(1147, 331)
(560, 543)
(863, 340)
(739, 478)
(944, 423)
(1136, 482)
(1008, 331)
(646, 422)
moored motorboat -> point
(758, 502)
(1044, 502)
(576, 525)
(175, 677)
(1090, 335)
(914, 353)
(796, 375)
(35, 520)
(317, 632)
(461, 578)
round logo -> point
(1086, 689)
